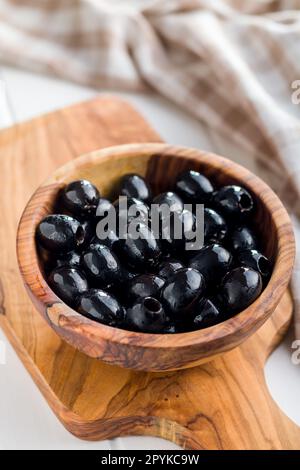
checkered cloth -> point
(234, 64)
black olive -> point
(213, 261)
(71, 259)
(234, 201)
(135, 186)
(128, 276)
(208, 314)
(140, 252)
(239, 288)
(128, 209)
(194, 187)
(106, 237)
(68, 283)
(166, 269)
(171, 328)
(181, 291)
(89, 229)
(101, 265)
(102, 307)
(243, 238)
(146, 315)
(171, 201)
(144, 285)
(60, 233)
(185, 224)
(215, 227)
(255, 260)
(103, 208)
(80, 198)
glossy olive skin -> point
(146, 315)
(170, 328)
(234, 201)
(127, 276)
(105, 233)
(145, 285)
(135, 186)
(80, 198)
(255, 260)
(60, 233)
(68, 283)
(187, 221)
(213, 261)
(71, 259)
(138, 209)
(194, 187)
(120, 288)
(170, 200)
(111, 238)
(181, 291)
(166, 269)
(208, 314)
(215, 226)
(242, 238)
(128, 209)
(143, 252)
(104, 206)
(101, 265)
(101, 306)
(239, 288)
(89, 229)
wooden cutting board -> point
(224, 404)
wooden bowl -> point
(160, 163)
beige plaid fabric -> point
(233, 64)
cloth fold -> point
(234, 64)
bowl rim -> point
(247, 320)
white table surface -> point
(26, 421)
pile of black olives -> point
(150, 284)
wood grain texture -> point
(223, 404)
(153, 352)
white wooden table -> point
(26, 421)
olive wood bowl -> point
(160, 164)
